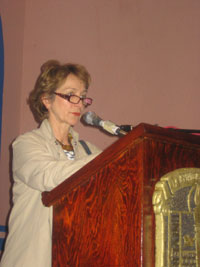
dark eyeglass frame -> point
(81, 98)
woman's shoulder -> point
(39, 134)
(92, 147)
(86, 145)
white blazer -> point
(39, 164)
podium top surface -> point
(169, 133)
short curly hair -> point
(52, 75)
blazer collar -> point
(46, 129)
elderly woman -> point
(45, 157)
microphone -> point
(91, 118)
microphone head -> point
(91, 118)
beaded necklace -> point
(68, 149)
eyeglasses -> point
(74, 99)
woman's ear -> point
(46, 100)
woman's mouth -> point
(76, 114)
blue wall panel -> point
(3, 231)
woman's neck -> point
(60, 131)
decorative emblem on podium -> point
(176, 202)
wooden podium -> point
(103, 214)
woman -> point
(43, 158)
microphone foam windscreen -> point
(91, 118)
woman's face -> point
(61, 111)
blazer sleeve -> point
(35, 166)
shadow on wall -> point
(1, 75)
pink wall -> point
(12, 15)
(144, 58)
